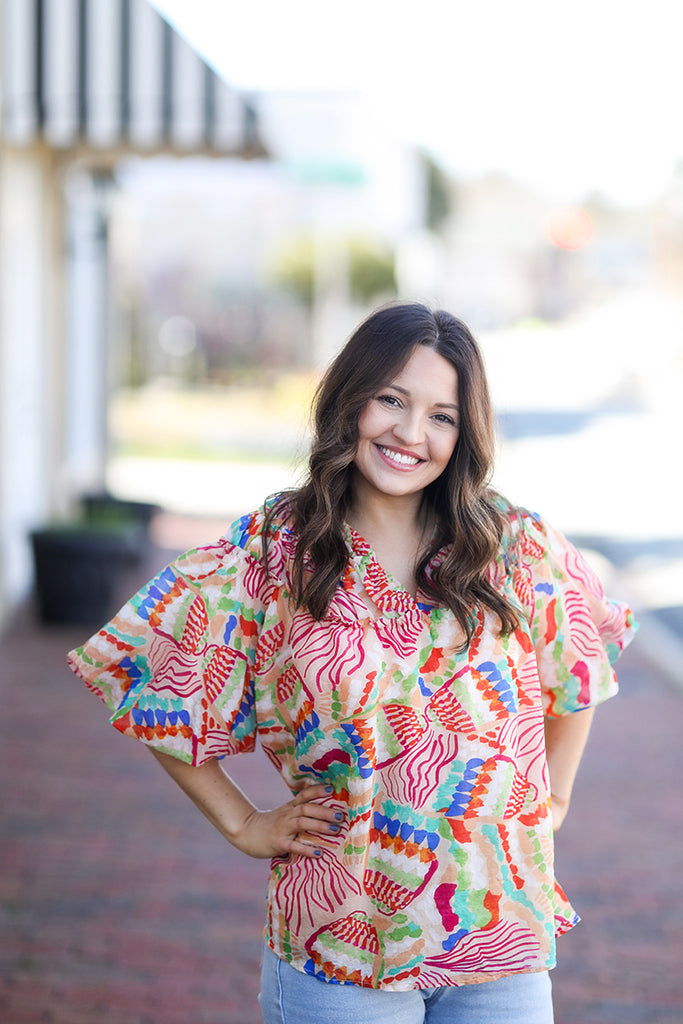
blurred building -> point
(274, 261)
(113, 251)
(506, 253)
(84, 84)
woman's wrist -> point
(558, 809)
(563, 801)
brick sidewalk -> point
(119, 905)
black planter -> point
(79, 570)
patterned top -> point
(443, 871)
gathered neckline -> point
(386, 592)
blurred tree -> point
(294, 268)
(371, 268)
(439, 200)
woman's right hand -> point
(292, 828)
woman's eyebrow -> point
(440, 405)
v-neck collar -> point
(386, 592)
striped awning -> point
(113, 75)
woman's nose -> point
(409, 430)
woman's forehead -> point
(427, 371)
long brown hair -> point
(470, 523)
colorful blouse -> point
(442, 873)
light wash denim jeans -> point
(289, 997)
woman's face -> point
(408, 430)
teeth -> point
(404, 460)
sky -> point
(571, 97)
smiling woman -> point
(407, 430)
(409, 649)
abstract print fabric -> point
(442, 873)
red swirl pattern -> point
(327, 653)
(309, 886)
(175, 669)
(505, 947)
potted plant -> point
(80, 564)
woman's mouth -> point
(402, 459)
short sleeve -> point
(175, 666)
(577, 632)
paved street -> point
(119, 905)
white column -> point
(87, 326)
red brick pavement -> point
(120, 905)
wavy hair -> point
(470, 522)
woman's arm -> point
(565, 739)
(290, 828)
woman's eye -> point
(443, 418)
(388, 399)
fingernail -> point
(338, 816)
(318, 853)
(328, 789)
(334, 828)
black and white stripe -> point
(110, 74)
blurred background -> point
(196, 209)
(198, 202)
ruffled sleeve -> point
(175, 666)
(577, 632)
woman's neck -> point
(377, 513)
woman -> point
(409, 649)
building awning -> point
(114, 75)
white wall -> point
(30, 344)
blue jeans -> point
(289, 997)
